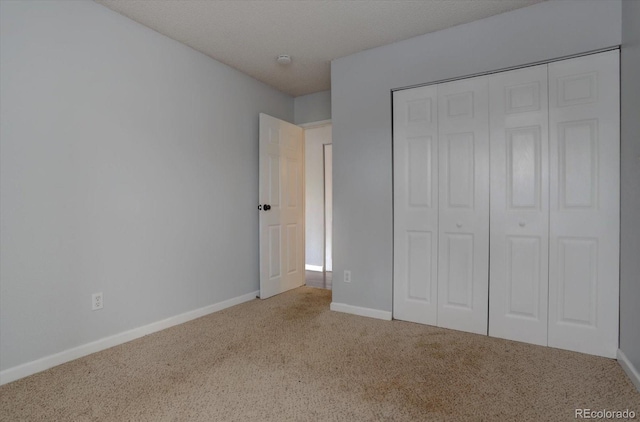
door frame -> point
(504, 69)
(305, 127)
(325, 207)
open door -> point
(281, 207)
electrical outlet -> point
(347, 276)
(96, 301)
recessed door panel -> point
(522, 98)
(578, 160)
(577, 281)
(523, 277)
(419, 265)
(415, 169)
(523, 167)
(463, 247)
(519, 205)
(581, 88)
(419, 156)
(460, 165)
(293, 179)
(292, 252)
(459, 105)
(273, 193)
(275, 251)
(459, 272)
(584, 203)
(419, 110)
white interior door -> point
(463, 239)
(585, 197)
(281, 208)
(519, 238)
(415, 167)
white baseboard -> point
(357, 310)
(313, 267)
(628, 367)
(50, 361)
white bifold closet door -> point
(584, 152)
(415, 163)
(463, 226)
(441, 205)
(506, 204)
(519, 265)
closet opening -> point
(506, 204)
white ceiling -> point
(249, 35)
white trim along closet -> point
(506, 204)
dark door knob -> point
(266, 207)
(260, 207)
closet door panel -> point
(415, 167)
(584, 201)
(519, 240)
(463, 247)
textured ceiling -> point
(249, 35)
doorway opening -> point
(318, 205)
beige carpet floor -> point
(289, 358)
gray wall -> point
(630, 183)
(361, 116)
(314, 139)
(129, 165)
(312, 108)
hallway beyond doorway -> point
(319, 279)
